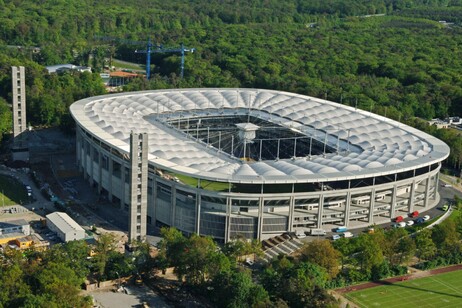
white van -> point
(318, 232)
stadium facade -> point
(256, 163)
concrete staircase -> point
(282, 244)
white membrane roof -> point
(376, 145)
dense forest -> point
(401, 62)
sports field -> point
(443, 290)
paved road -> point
(446, 197)
(447, 194)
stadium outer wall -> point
(224, 215)
(228, 214)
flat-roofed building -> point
(24, 242)
(14, 226)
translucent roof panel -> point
(368, 141)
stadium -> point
(256, 163)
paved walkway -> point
(134, 296)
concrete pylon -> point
(138, 187)
(20, 144)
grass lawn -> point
(444, 290)
(11, 191)
(209, 185)
(455, 215)
(127, 65)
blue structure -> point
(161, 49)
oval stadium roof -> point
(372, 144)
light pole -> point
(118, 280)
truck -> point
(318, 232)
(341, 229)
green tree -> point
(61, 284)
(71, 254)
(171, 247)
(242, 247)
(142, 254)
(5, 118)
(236, 289)
(298, 284)
(322, 253)
(105, 244)
(446, 238)
(369, 253)
(196, 259)
(13, 287)
(425, 247)
(345, 247)
(397, 246)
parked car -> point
(335, 237)
(426, 217)
(399, 219)
(29, 191)
(410, 222)
(419, 220)
(347, 234)
(340, 229)
(402, 224)
(414, 214)
(300, 234)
